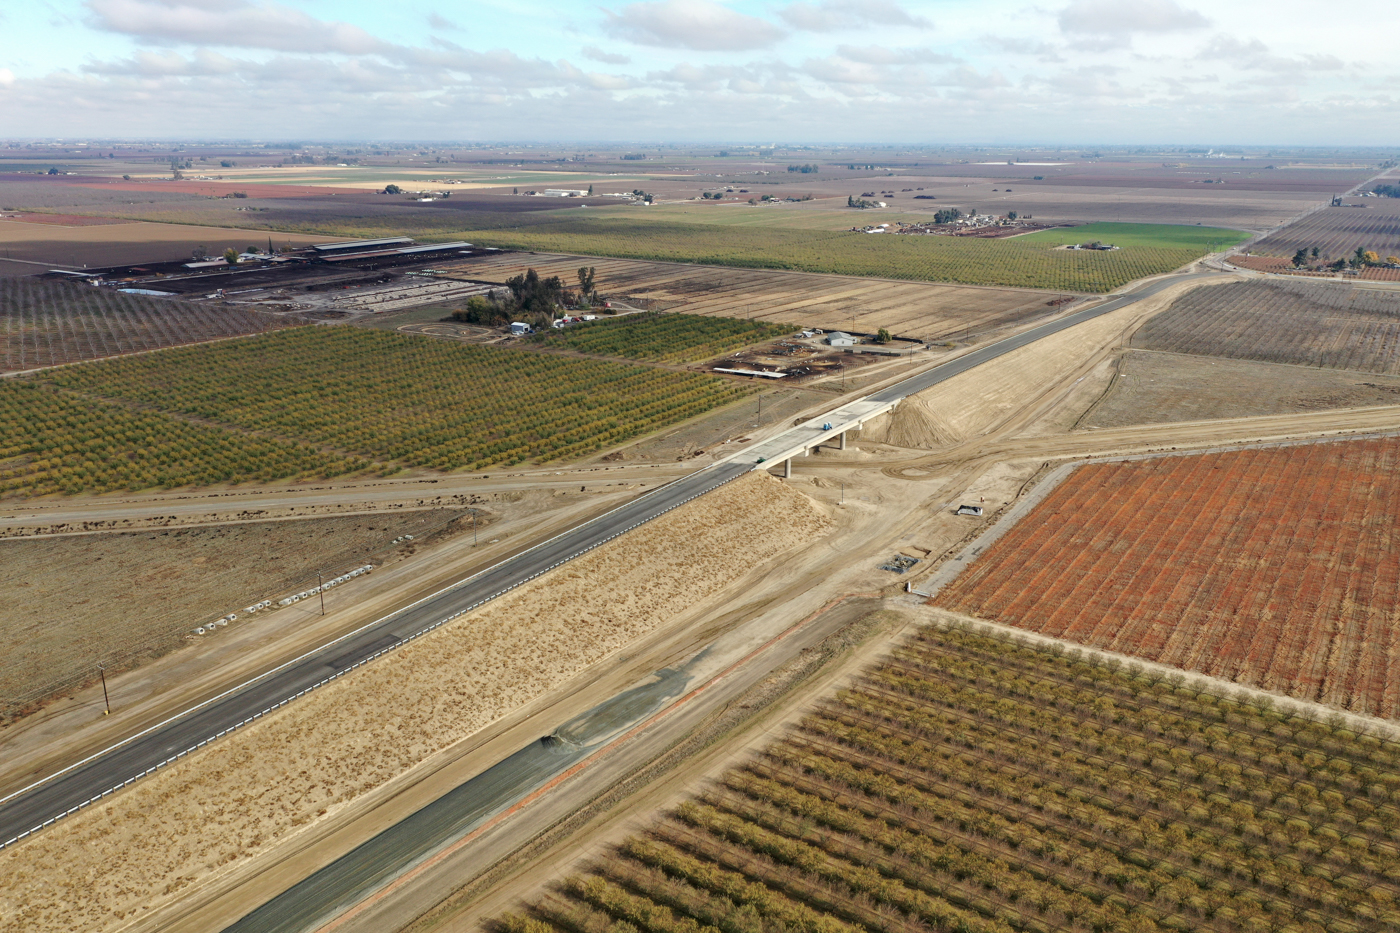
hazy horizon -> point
(833, 72)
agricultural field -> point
(922, 311)
(979, 784)
(662, 338)
(77, 246)
(58, 442)
(1306, 323)
(71, 602)
(1138, 236)
(1273, 567)
(51, 323)
(392, 398)
(1152, 387)
(1337, 232)
(1021, 261)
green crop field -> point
(1156, 236)
(662, 338)
(323, 401)
(1020, 261)
(978, 784)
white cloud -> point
(607, 58)
(702, 25)
(970, 78)
(1254, 55)
(834, 15)
(1043, 51)
(441, 22)
(1123, 17)
(881, 55)
(238, 23)
(7, 77)
(1086, 82)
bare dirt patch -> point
(118, 244)
(69, 603)
(1155, 388)
(240, 796)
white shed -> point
(841, 339)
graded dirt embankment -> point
(110, 865)
(967, 405)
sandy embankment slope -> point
(110, 865)
(968, 404)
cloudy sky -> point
(944, 71)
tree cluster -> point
(527, 298)
(947, 215)
(808, 169)
(1388, 191)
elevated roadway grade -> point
(112, 769)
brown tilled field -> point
(118, 244)
(1307, 323)
(1277, 568)
(1158, 388)
(927, 312)
(1369, 223)
(50, 323)
(69, 603)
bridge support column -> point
(843, 441)
(787, 468)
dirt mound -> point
(916, 422)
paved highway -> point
(68, 791)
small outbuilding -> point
(841, 339)
(518, 329)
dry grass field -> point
(50, 323)
(1152, 387)
(237, 798)
(70, 603)
(974, 784)
(1273, 567)
(1307, 323)
(932, 312)
(1369, 223)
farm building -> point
(841, 339)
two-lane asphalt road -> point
(106, 772)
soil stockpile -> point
(244, 794)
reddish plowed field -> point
(1277, 568)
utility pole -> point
(473, 527)
(321, 592)
(106, 700)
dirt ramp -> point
(916, 422)
(985, 397)
(216, 810)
